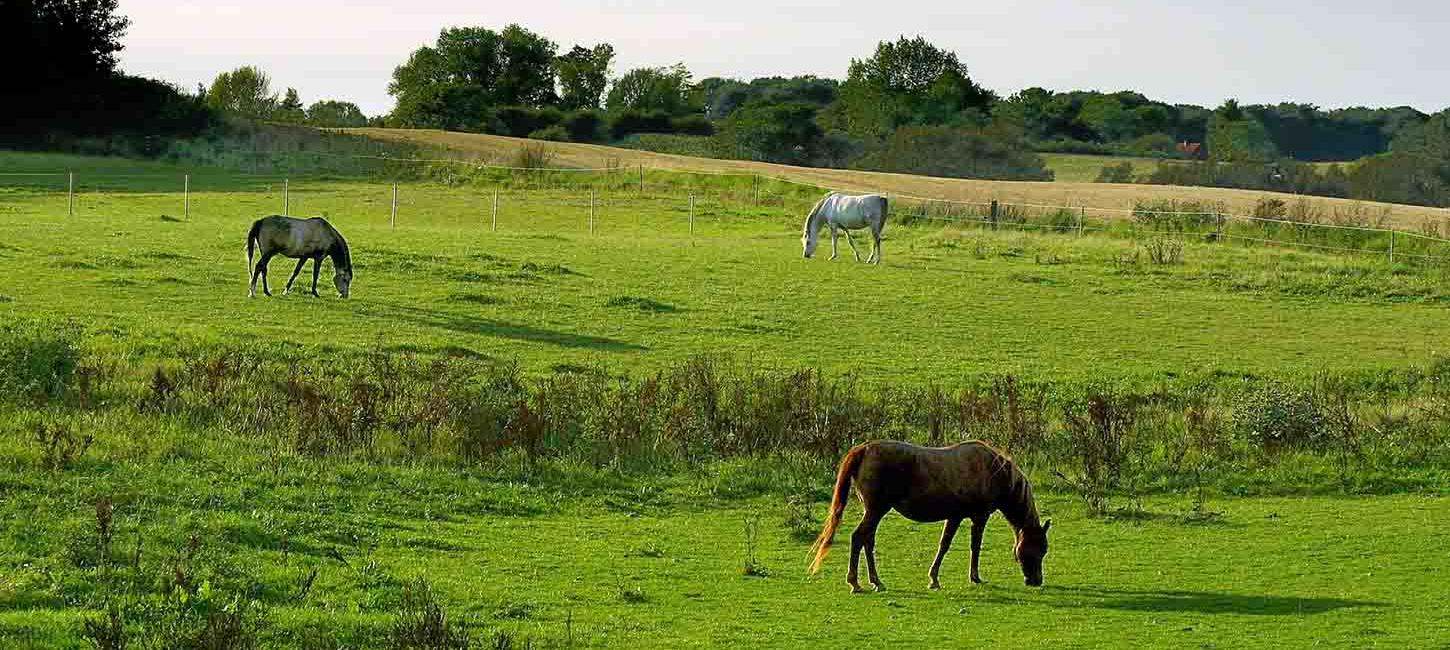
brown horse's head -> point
(1030, 549)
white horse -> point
(844, 212)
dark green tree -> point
(910, 81)
(246, 91)
(583, 76)
(62, 40)
(290, 109)
(782, 132)
(469, 69)
(652, 89)
(335, 114)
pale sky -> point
(1332, 53)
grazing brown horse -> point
(970, 480)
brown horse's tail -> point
(838, 505)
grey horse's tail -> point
(252, 242)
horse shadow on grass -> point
(464, 324)
(1196, 602)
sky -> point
(1332, 53)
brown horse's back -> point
(932, 483)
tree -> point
(470, 69)
(335, 114)
(783, 132)
(246, 91)
(583, 75)
(291, 109)
(910, 81)
(61, 40)
(652, 89)
(1235, 136)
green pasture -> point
(201, 535)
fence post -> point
(641, 179)
(1081, 217)
(692, 214)
(1392, 247)
(993, 216)
(70, 195)
(755, 187)
(1218, 224)
(393, 220)
(495, 211)
(286, 195)
(591, 212)
(186, 197)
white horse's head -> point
(810, 232)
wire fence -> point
(590, 192)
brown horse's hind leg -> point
(864, 537)
(947, 533)
(979, 525)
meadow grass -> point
(214, 523)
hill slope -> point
(1096, 195)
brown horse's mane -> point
(1017, 504)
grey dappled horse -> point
(302, 240)
(844, 212)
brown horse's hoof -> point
(935, 586)
(977, 580)
(856, 589)
(878, 587)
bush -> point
(423, 624)
(991, 153)
(692, 125)
(38, 362)
(1120, 173)
(1275, 415)
(554, 133)
(521, 121)
(632, 121)
(584, 126)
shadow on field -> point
(1199, 602)
(488, 327)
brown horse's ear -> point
(1046, 524)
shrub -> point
(423, 624)
(584, 126)
(1120, 173)
(633, 121)
(38, 362)
(555, 133)
(1275, 415)
(692, 125)
(1270, 208)
(1099, 436)
(520, 121)
(990, 153)
(533, 155)
(1164, 249)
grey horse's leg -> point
(875, 246)
(833, 241)
(852, 243)
(979, 524)
(292, 279)
(947, 533)
(316, 269)
(261, 272)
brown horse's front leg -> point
(978, 526)
(947, 533)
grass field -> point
(1076, 191)
(209, 524)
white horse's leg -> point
(834, 253)
(852, 243)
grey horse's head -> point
(809, 241)
(342, 279)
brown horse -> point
(970, 480)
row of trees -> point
(247, 92)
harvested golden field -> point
(500, 149)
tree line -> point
(909, 106)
